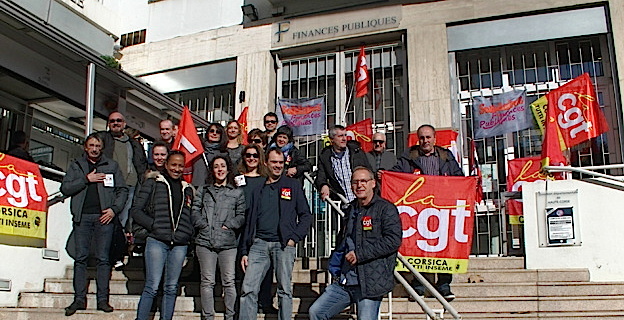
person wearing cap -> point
(295, 164)
(380, 158)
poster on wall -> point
(437, 215)
(560, 222)
(23, 198)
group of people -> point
(244, 210)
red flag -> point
(244, 125)
(361, 75)
(573, 116)
(437, 218)
(362, 132)
(187, 139)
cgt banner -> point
(437, 214)
(23, 198)
(520, 171)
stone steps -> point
(466, 290)
(487, 275)
(58, 314)
(399, 305)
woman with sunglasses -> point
(253, 175)
(163, 208)
(258, 137)
(214, 145)
(235, 141)
(222, 208)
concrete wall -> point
(25, 267)
(599, 215)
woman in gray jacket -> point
(223, 207)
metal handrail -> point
(447, 306)
(587, 170)
(54, 171)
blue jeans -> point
(337, 297)
(261, 254)
(161, 257)
(208, 263)
(90, 227)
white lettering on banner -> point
(19, 197)
(442, 233)
(571, 116)
(188, 145)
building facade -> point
(427, 60)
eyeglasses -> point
(270, 121)
(359, 182)
(214, 131)
(256, 140)
(252, 155)
(378, 141)
(115, 120)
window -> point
(132, 38)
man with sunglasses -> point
(380, 158)
(270, 124)
(130, 156)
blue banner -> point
(503, 113)
(304, 116)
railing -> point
(335, 206)
(56, 197)
(588, 170)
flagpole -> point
(206, 161)
(346, 109)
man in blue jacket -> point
(278, 218)
(99, 193)
(363, 264)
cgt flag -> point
(361, 75)
(244, 125)
(437, 214)
(573, 116)
(23, 198)
(521, 170)
(188, 142)
(362, 132)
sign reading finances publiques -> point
(320, 28)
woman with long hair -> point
(214, 145)
(235, 140)
(222, 207)
(163, 208)
(253, 175)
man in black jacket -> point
(362, 265)
(98, 193)
(336, 164)
(130, 156)
(427, 158)
(278, 218)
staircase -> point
(503, 289)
